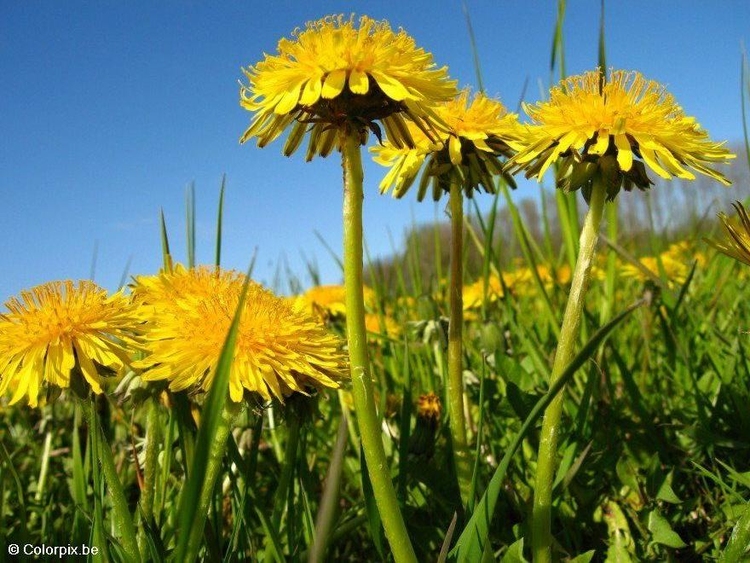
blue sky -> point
(109, 110)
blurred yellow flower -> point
(329, 301)
(674, 269)
(187, 314)
(60, 329)
(613, 128)
(333, 75)
(474, 294)
(382, 325)
(470, 147)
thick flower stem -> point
(122, 519)
(541, 534)
(362, 387)
(455, 350)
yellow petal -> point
(358, 82)
(333, 84)
(391, 88)
(602, 142)
(288, 102)
(311, 91)
(624, 152)
(454, 149)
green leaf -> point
(514, 553)
(666, 493)
(662, 532)
(738, 546)
(584, 557)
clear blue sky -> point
(109, 110)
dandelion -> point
(59, 331)
(422, 441)
(381, 325)
(737, 242)
(603, 134)
(476, 136)
(329, 301)
(651, 266)
(334, 83)
(333, 75)
(614, 129)
(187, 314)
(465, 157)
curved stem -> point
(455, 350)
(362, 387)
(541, 519)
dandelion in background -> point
(334, 83)
(466, 156)
(329, 301)
(469, 148)
(63, 334)
(187, 315)
(603, 133)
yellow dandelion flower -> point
(329, 301)
(474, 294)
(737, 243)
(187, 314)
(476, 135)
(614, 129)
(59, 328)
(429, 407)
(673, 268)
(333, 75)
(382, 325)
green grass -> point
(654, 451)
(654, 454)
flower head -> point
(60, 329)
(476, 135)
(188, 313)
(737, 244)
(332, 75)
(614, 128)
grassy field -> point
(654, 445)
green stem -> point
(541, 519)
(122, 519)
(287, 472)
(362, 387)
(455, 351)
(153, 436)
(213, 468)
